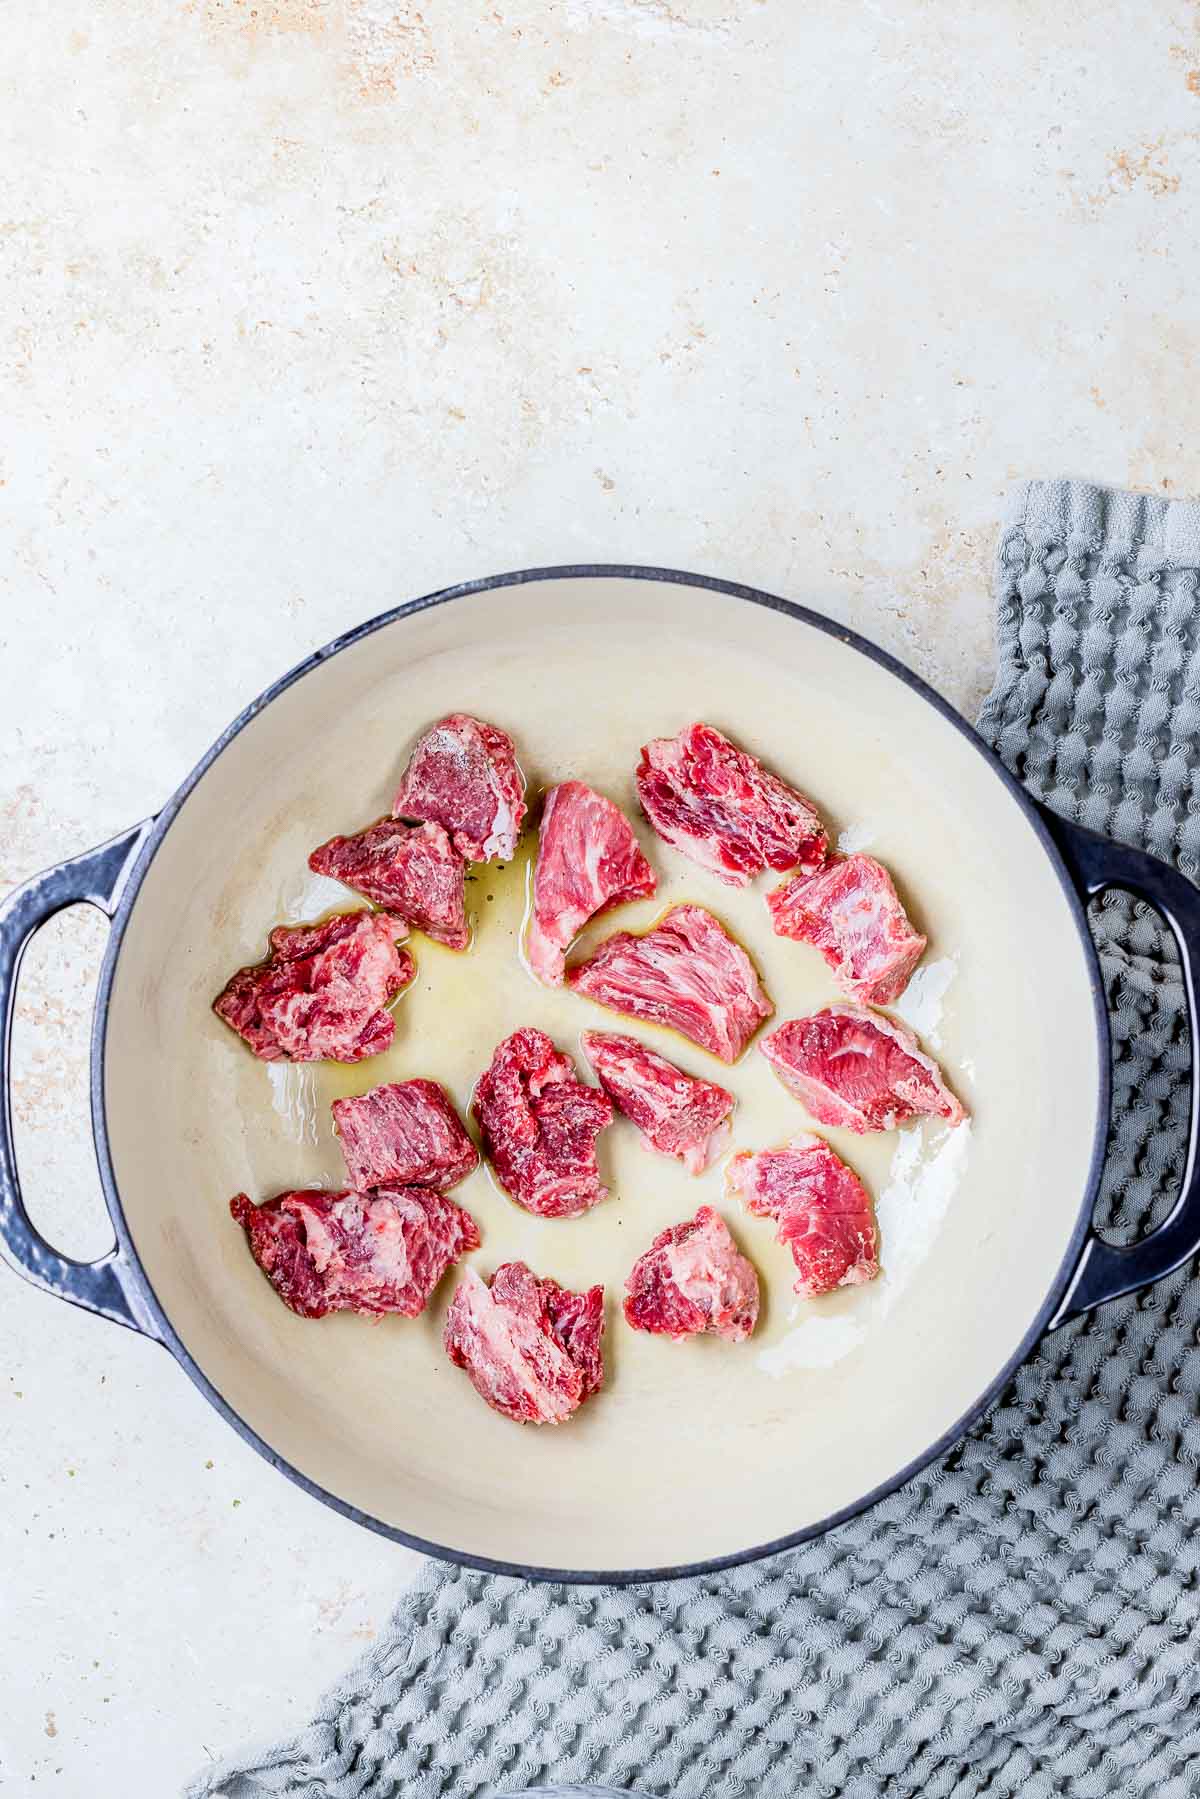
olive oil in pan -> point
(461, 1004)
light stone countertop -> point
(312, 305)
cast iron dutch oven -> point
(696, 1455)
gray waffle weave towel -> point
(1024, 1618)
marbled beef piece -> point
(676, 1114)
(405, 1133)
(532, 1349)
(588, 861)
(463, 775)
(414, 871)
(851, 912)
(686, 973)
(859, 1071)
(823, 1211)
(539, 1125)
(372, 1253)
(322, 993)
(718, 805)
(693, 1279)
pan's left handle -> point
(107, 1285)
(1097, 864)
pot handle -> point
(106, 1286)
(1096, 864)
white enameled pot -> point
(695, 1455)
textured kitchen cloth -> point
(1025, 1617)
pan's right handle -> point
(1097, 864)
(107, 1285)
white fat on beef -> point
(512, 1343)
(588, 861)
(859, 1071)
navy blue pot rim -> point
(1050, 1312)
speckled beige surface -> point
(310, 305)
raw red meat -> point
(539, 1125)
(686, 973)
(676, 1114)
(531, 1347)
(321, 994)
(718, 805)
(693, 1278)
(822, 1209)
(851, 912)
(406, 1133)
(858, 1070)
(588, 860)
(463, 775)
(413, 870)
(377, 1252)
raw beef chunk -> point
(718, 805)
(539, 1125)
(588, 860)
(850, 911)
(821, 1207)
(413, 870)
(858, 1070)
(693, 1278)
(322, 993)
(404, 1134)
(676, 1114)
(463, 775)
(531, 1347)
(383, 1251)
(685, 973)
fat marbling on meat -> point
(372, 1253)
(539, 1124)
(718, 805)
(411, 870)
(822, 1209)
(588, 861)
(693, 1279)
(851, 912)
(676, 1113)
(322, 993)
(463, 775)
(531, 1348)
(687, 973)
(859, 1071)
(406, 1133)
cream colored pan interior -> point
(693, 1451)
